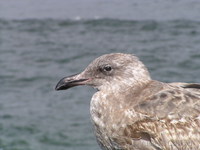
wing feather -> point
(171, 119)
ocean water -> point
(40, 45)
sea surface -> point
(44, 41)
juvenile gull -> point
(130, 111)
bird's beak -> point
(71, 81)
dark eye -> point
(107, 68)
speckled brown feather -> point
(171, 120)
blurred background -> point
(42, 41)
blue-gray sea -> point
(42, 41)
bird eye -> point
(107, 68)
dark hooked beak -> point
(71, 81)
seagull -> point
(131, 111)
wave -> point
(99, 24)
(77, 20)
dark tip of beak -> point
(61, 85)
(69, 82)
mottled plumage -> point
(130, 111)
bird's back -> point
(171, 117)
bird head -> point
(116, 70)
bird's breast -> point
(105, 119)
(99, 109)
